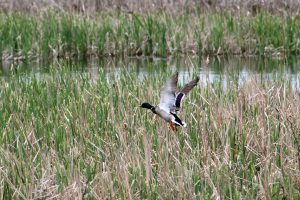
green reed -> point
(57, 34)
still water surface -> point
(219, 68)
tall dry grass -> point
(90, 6)
(65, 136)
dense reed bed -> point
(91, 6)
(65, 135)
(53, 34)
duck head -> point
(147, 106)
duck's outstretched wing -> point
(167, 94)
(183, 91)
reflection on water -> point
(219, 68)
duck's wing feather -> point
(167, 94)
(183, 91)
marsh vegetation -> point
(56, 34)
(70, 132)
(64, 135)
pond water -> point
(219, 68)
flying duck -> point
(170, 101)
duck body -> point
(170, 101)
(167, 116)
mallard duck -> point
(170, 101)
